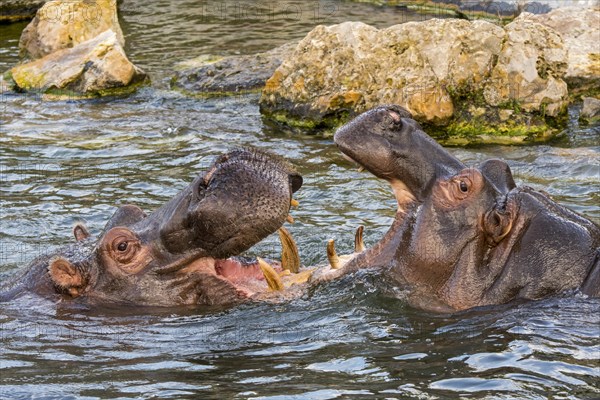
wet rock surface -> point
(590, 113)
(207, 75)
(96, 67)
(18, 10)
(64, 24)
(74, 49)
(477, 81)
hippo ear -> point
(498, 173)
(65, 276)
(80, 232)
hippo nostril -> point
(295, 182)
(395, 116)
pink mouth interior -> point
(246, 277)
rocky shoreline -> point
(467, 81)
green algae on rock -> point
(466, 76)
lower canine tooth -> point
(290, 219)
(332, 256)
(290, 260)
(361, 169)
(359, 244)
(271, 276)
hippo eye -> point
(463, 187)
(122, 246)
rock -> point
(590, 113)
(18, 10)
(529, 69)
(63, 24)
(96, 67)
(216, 76)
(579, 28)
(498, 10)
(455, 74)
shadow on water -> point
(64, 162)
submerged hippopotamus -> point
(183, 252)
(465, 236)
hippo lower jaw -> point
(224, 281)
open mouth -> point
(239, 277)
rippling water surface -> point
(62, 162)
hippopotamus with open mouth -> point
(182, 253)
(465, 236)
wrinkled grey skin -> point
(466, 237)
(171, 256)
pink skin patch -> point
(248, 279)
(233, 270)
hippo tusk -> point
(332, 256)
(289, 219)
(361, 168)
(273, 279)
(359, 244)
(290, 260)
(294, 203)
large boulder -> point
(580, 31)
(96, 67)
(210, 76)
(18, 10)
(476, 81)
(63, 24)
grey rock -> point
(18, 10)
(207, 75)
(590, 112)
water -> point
(74, 161)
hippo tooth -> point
(290, 219)
(359, 244)
(290, 260)
(361, 168)
(294, 203)
(332, 256)
(273, 279)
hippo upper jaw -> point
(241, 199)
(388, 143)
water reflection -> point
(63, 162)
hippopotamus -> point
(465, 236)
(184, 253)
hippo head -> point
(466, 234)
(181, 252)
